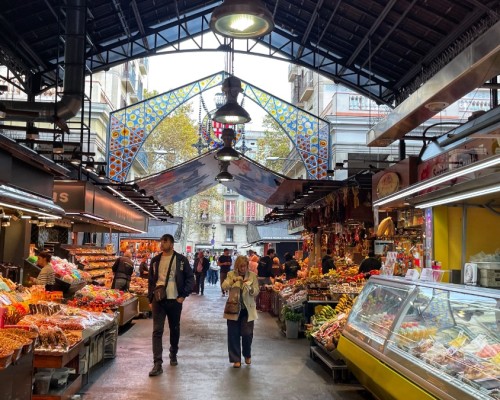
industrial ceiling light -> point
(58, 147)
(224, 175)
(231, 112)
(49, 225)
(242, 19)
(227, 153)
(3, 110)
(76, 157)
(32, 133)
(89, 165)
(102, 173)
(33, 220)
(5, 221)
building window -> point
(229, 235)
(230, 211)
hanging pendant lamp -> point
(231, 112)
(242, 19)
(228, 153)
(224, 175)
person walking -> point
(170, 282)
(241, 324)
(123, 268)
(224, 262)
(201, 266)
(213, 272)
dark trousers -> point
(170, 309)
(236, 329)
(223, 276)
(199, 285)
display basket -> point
(264, 300)
(6, 360)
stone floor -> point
(281, 368)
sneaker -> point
(157, 370)
(173, 359)
(248, 360)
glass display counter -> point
(439, 339)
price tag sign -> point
(412, 275)
(427, 275)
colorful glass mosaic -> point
(129, 127)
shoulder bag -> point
(233, 305)
(160, 292)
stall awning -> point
(251, 180)
(258, 231)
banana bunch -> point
(324, 315)
(344, 305)
(386, 228)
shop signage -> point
(388, 184)
(394, 178)
(83, 197)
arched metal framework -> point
(130, 126)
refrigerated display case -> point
(407, 339)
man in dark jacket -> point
(327, 262)
(265, 268)
(370, 263)
(201, 266)
(123, 268)
(172, 270)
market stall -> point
(413, 339)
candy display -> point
(98, 298)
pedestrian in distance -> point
(201, 266)
(170, 282)
(241, 325)
(224, 262)
(143, 267)
(123, 268)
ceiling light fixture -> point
(242, 19)
(224, 175)
(477, 166)
(76, 157)
(5, 221)
(32, 133)
(102, 173)
(457, 197)
(89, 166)
(3, 110)
(57, 147)
(232, 112)
(227, 153)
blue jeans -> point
(213, 276)
(172, 310)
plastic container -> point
(42, 382)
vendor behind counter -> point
(47, 275)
